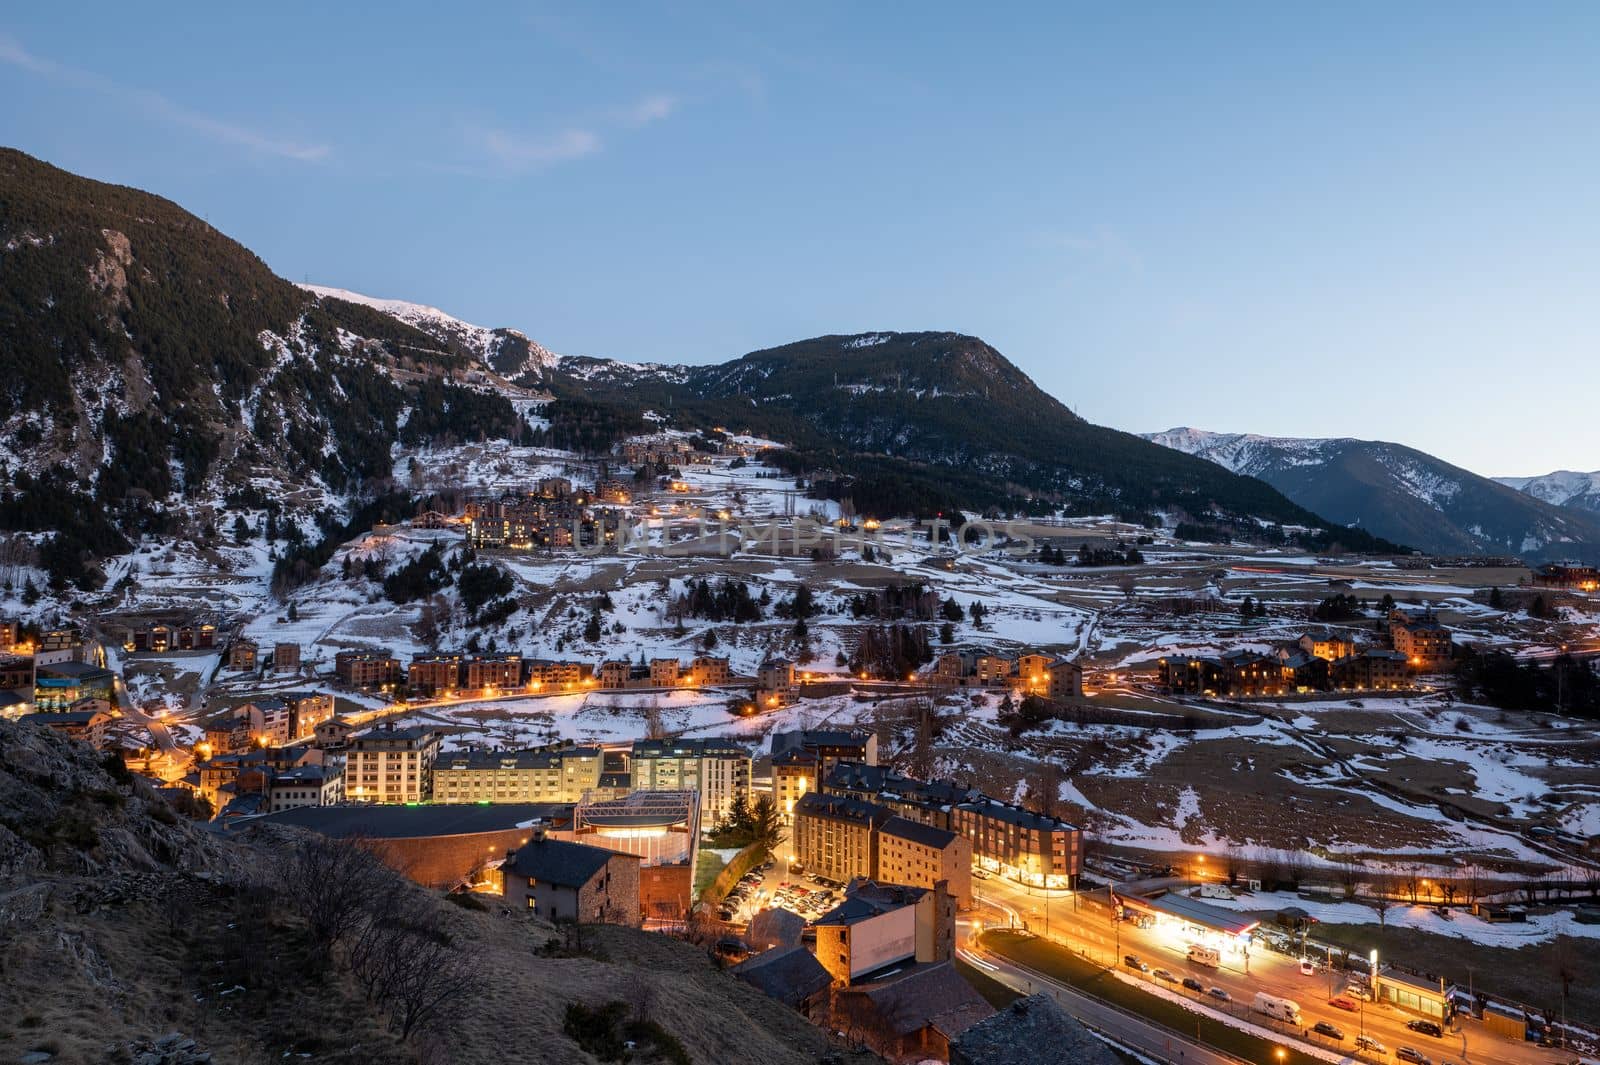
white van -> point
(1202, 955)
(1282, 1009)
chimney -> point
(538, 833)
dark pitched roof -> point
(882, 782)
(392, 732)
(923, 996)
(712, 745)
(1015, 815)
(868, 898)
(841, 808)
(556, 861)
(513, 759)
(775, 927)
(917, 832)
(788, 974)
(1016, 1034)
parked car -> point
(1323, 1028)
(1193, 985)
(1220, 994)
(1344, 1002)
(1358, 991)
(1426, 1028)
(1132, 961)
(1164, 976)
(1370, 1045)
(1412, 1055)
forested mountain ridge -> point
(937, 421)
(151, 359)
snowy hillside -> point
(1245, 453)
(1564, 488)
(1403, 494)
(506, 351)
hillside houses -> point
(1320, 660)
(1046, 676)
(1421, 639)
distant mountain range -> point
(1405, 495)
(1564, 488)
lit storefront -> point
(1187, 922)
(1414, 994)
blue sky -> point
(1371, 220)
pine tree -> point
(591, 631)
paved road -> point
(1141, 1035)
(1089, 932)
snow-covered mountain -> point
(1564, 488)
(1400, 493)
(507, 352)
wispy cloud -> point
(652, 108)
(157, 106)
(511, 151)
(518, 152)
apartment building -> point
(561, 775)
(391, 764)
(718, 769)
(307, 785)
(502, 671)
(433, 675)
(366, 669)
(835, 837)
(1018, 844)
(910, 852)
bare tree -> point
(1413, 881)
(331, 883)
(1382, 900)
(1046, 788)
(1472, 882)
(1350, 871)
(430, 976)
(1232, 861)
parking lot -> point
(773, 886)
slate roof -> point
(775, 927)
(1017, 1035)
(788, 974)
(868, 898)
(917, 832)
(555, 861)
(513, 759)
(923, 996)
(840, 808)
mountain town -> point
(378, 686)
